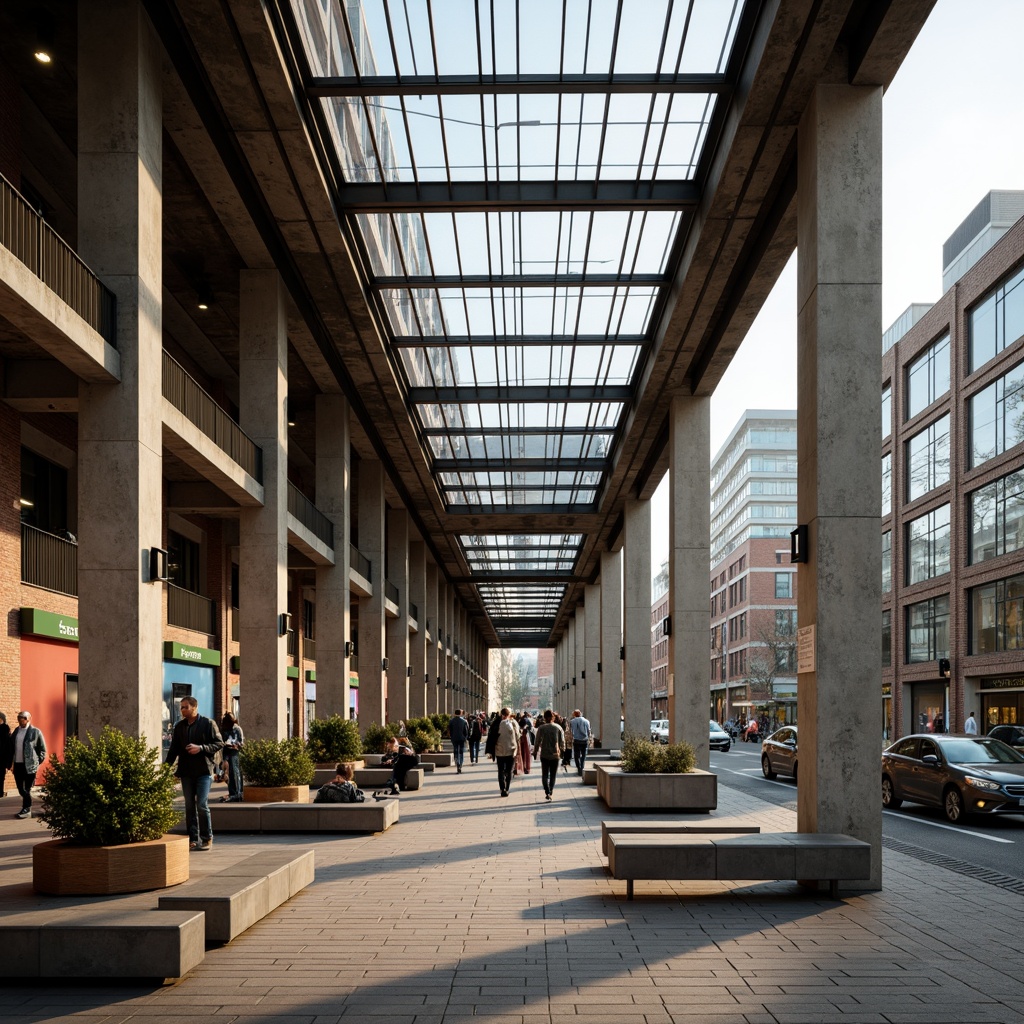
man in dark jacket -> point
(194, 743)
(458, 732)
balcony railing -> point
(293, 643)
(391, 591)
(360, 563)
(186, 395)
(49, 561)
(55, 263)
(191, 611)
(308, 649)
(310, 516)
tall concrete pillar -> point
(333, 616)
(120, 209)
(418, 640)
(370, 642)
(689, 554)
(263, 532)
(590, 687)
(636, 559)
(397, 644)
(581, 657)
(432, 669)
(611, 641)
(449, 653)
(839, 600)
(568, 693)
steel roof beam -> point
(516, 85)
(473, 395)
(514, 431)
(575, 509)
(517, 340)
(519, 465)
(519, 281)
(492, 196)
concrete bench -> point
(369, 761)
(101, 941)
(767, 855)
(444, 760)
(368, 817)
(234, 899)
(375, 778)
(668, 828)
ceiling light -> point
(204, 297)
(42, 56)
(26, 503)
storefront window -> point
(997, 616)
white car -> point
(659, 730)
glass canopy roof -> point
(518, 176)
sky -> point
(951, 134)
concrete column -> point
(611, 641)
(370, 642)
(839, 272)
(397, 644)
(333, 616)
(689, 555)
(636, 558)
(578, 691)
(569, 694)
(449, 655)
(432, 668)
(120, 210)
(418, 640)
(263, 532)
(590, 688)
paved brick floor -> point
(479, 907)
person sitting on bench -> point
(399, 757)
(341, 789)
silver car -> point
(779, 753)
(960, 774)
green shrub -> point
(639, 754)
(679, 757)
(440, 722)
(421, 740)
(276, 763)
(376, 736)
(333, 739)
(109, 791)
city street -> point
(979, 846)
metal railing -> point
(308, 649)
(187, 396)
(55, 263)
(191, 611)
(310, 516)
(293, 643)
(391, 591)
(360, 563)
(49, 561)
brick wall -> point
(10, 558)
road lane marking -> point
(951, 828)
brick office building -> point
(953, 486)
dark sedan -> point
(1012, 734)
(720, 739)
(960, 774)
(778, 753)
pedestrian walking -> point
(549, 746)
(194, 742)
(971, 725)
(458, 733)
(526, 737)
(476, 733)
(6, 753)
(506, 746)
(29, 754)
(581, 733)
(233, 737)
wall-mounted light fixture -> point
(583, 674)
(622, 654)
(383, 664)
(666, 626)
(798, 544)
(350, 648)
(284, 623)
(158, 565)
(408, 671)
(599, 666)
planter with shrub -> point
(276, 771)
(376, 736)
(334, 740)
(653, 777)
(109, 804)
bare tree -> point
(774, 653)
(511, 680)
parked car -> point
(778, 753)
(1011, 734)
(659, 730)
(720, 739)
(960, 774)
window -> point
(743, 588)
(886, 411)
(996, 420)
(928, 546)
(785, 622)
(44, 493)
(886, 639)
(784, 584)
(309, 620)
(928, 377)
(887, 561)
(997, 518)
(928, 630)
(928, 459)
(785, 658)
(997, 616)
(886, 484)
(997, 321)
(183, 562)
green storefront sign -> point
(36, 622)
(174, 651)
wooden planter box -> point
(625, 791)
(275, 794)
(63, 868)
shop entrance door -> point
(70, 706)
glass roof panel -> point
(547, 445)
(519, 553)
(554, 415)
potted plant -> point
(650, 776)
(422, 739)
(109, 804)
(276, 771)
(377, 735)
(334, 740)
